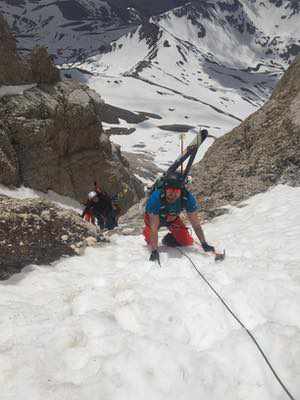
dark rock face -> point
(292, 4)
(176, 127)
(35, 231)
(111, 115)
(9, 168)
(263, 151)
(150, 32)
(72, 10)
(146, 7)
(16, 3)
(42, 67)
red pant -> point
(89, 217)
(177, 228)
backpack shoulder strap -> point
(184, 198)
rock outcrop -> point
(54, 140)
(261, 152)
(42, 68)
(34, 231)
(12, 67)
(9, 169)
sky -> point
(111, 325)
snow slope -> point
(25, 192)
(112, 325)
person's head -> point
(92, 196)
(173, 188)
(172, 194)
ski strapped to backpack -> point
(179, 179)
(189, 155)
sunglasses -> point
(173, 190)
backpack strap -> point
(184, 198)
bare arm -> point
(194, 220)
(154, 224)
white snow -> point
(13, 90)
(164, 146)
(27, 193)
(112, 325)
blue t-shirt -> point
(155, 205)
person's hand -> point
(206, 247)
(154, 256)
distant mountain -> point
(74, 29)
(231, 52)
(70, 28)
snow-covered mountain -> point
(205, 63)
(241, 38)
(76, 28)
(73, 29)
(70, 29)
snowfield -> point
(112, 325)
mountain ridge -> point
(74, 29)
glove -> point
(154, 256)
(206, 247)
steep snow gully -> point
(112, 324)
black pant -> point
(107, 221)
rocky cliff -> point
(52, 138)
(51, 135)
(261, 152)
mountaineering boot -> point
(169, 240)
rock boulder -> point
(34, 231)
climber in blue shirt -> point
(163, 208)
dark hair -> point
(174, 180)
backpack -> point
(177, 179)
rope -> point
(241, 324)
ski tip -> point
(220, 256)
